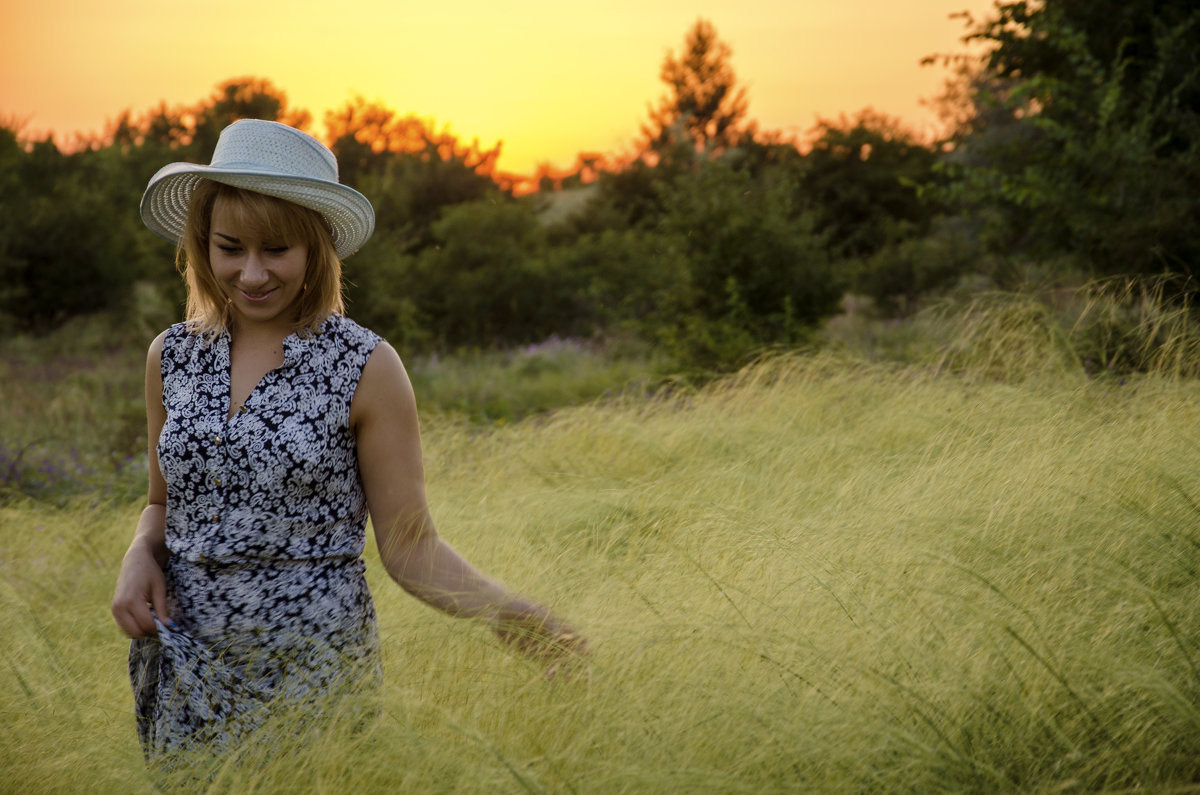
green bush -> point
(757, 270)
(899, 275)
(485, 280)
(621, 280)
(383, 291)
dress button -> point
(216, 440)
(214, 517)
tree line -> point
(1072, 151)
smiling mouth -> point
(257, 297)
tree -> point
(705, 109)
(758, 275)
(365, 136)
(1089, 148)
(863, 181)
(240, 98)
(485, 282)
(13, 199)
(190, 132)
(411, 171)
(414, 176)
(68, 246)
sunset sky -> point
(547, 79)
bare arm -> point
(141, 583)
(384, 417)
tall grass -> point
(72, 414)
(817, 575)
(501, 386)
(1108, 328)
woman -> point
(276, 425)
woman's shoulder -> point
(351, 333)
(184, 345)
(170, 338)
(344, 325)
(184, 334)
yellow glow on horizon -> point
(548, 80)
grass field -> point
(819, 575)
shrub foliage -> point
(1072, 155)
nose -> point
(255, 272)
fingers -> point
(158, 600)
(569, 649)
(135, 605)
(141, 588)
(542, 637)
(572, 642)
(134, 619)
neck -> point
(259, 333)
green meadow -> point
(828, 572)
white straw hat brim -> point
(164, 206)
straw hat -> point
(265, 157)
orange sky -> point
(548, 79)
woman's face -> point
(263, 279)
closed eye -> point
(230, 244)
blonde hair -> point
(267, 217)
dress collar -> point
(296, 346)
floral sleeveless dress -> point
(266, 521)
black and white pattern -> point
(266, 521)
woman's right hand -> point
(142, 584)
(140, 587)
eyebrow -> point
(230, 238)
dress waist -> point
(319, 597)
